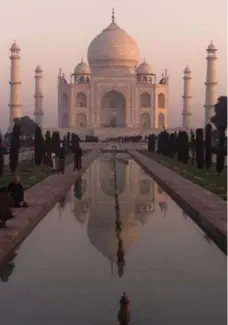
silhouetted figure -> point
(6, 202)
(124, 312)
(16, 191)
(78, 188)
(62, 155)
(77, 157)
(7, 269)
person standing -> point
(77, 157)
(62, 159)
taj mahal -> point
(114, 93)
(114, 90)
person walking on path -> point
(77, 157)
(62, 159)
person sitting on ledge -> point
(6, 203)
(16, 191)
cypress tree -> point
(48, 143)
(38, 146)
(193, 148)
(14, 148)
(199, 149)
(55, 142)
(220, 161)
(1, 156)
(68, 142)
(208, 146)
(185, 147)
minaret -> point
(187, 99)
(15, 85)
(39, 113)
(211, 83)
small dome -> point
(15, 47)
(187, 70)
(113, 47)
(82, 68)
(211, 47)
(38, 69)
(144, 68)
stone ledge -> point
(207, 209)
(42, 197)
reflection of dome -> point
(113, 47)
(82, 69)
(104, 238)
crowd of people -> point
(12, 196)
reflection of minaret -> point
(124, 311)
(39, 113)
(211, 83)
(15, 85)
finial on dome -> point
(82, 59)
(144, 60)
(113, 15)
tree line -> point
(44, 146)
(198, 149)
(201, 145)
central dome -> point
(113, 47)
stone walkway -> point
(41, 199)
(207, 209)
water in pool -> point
(66, 271)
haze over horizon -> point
(170, 34)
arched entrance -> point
(81, 120)
(113, 110)
(145, 121)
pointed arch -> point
(81, 100)
(145, 123)
(145, 100)
(81, 120)
(161, 100)
(161, 121)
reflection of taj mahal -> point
(139, 196)
(114, 90)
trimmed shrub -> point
(208, 146)
(38, 146)
(199, 149)
(14, 148)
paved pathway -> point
(41, 198)
(206, 208)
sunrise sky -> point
(56, 34)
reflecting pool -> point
(66, 271)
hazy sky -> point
(56, 34)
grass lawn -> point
(29, 173)
(209, 179)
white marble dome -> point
(113, 47)
(144, 68)
(82, 68)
